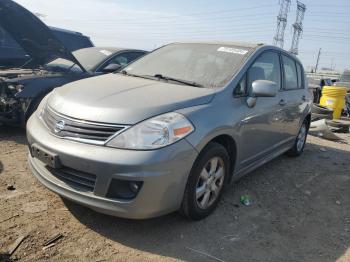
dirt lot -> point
(300, 212)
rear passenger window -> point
(265, 67)
(300, 76)
(290, 73)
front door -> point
(263, 124)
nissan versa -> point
(172, 129)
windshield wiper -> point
(160, 76)
(124, 72)
(185, 82)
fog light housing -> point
(134, 187)
(123, 189)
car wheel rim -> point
(301, 138)
(210, 182)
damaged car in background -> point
(12, 55)
(51, 64)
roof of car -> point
(111, 49)
(232, 43)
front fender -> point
(210, 128)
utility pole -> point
(332, 62)
(298, 27)
(318, 59)
(278, 39)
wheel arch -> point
(308, 119)
(229, 143)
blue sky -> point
(149, 24)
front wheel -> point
(300, 141)
(206, 182)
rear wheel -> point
(206, 182)
(300, 141)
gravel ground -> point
(300, 212)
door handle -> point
(303, 98)
(282, 102)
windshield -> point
(208, 65)
(89, 58)
(63, 65)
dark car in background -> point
(13, 55)
(51, 65)
(316, 84)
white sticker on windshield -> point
(232, 50)
(106, 52)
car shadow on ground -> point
(16, 134)
(294, 216)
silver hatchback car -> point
(172, 129)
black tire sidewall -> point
(294, 152)
(189, 204)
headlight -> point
(41, 108)
(16, 87)
(154, 133)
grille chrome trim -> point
(80, 130)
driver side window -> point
(121, 59)
(265, 67)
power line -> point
(187, 15)
(166, 23)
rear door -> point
(293, 94)
(263, 125)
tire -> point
(318, 109)
(342, 125)
(197, 205)
(315, 117)
(300, 141)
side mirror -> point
(261, 88)
(111, 68)
(264, 88)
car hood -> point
(118, 99)
(32, 34)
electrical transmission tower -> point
(298, 27)
(278, 39)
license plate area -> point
(46, 157)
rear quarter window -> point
(300, 76)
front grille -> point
(77, 179)
(85, 131)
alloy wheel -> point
(301, 138)
(210, 182)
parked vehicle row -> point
(52, 64)
(171, 130)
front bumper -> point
(164, 173)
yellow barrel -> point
(334, 97)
